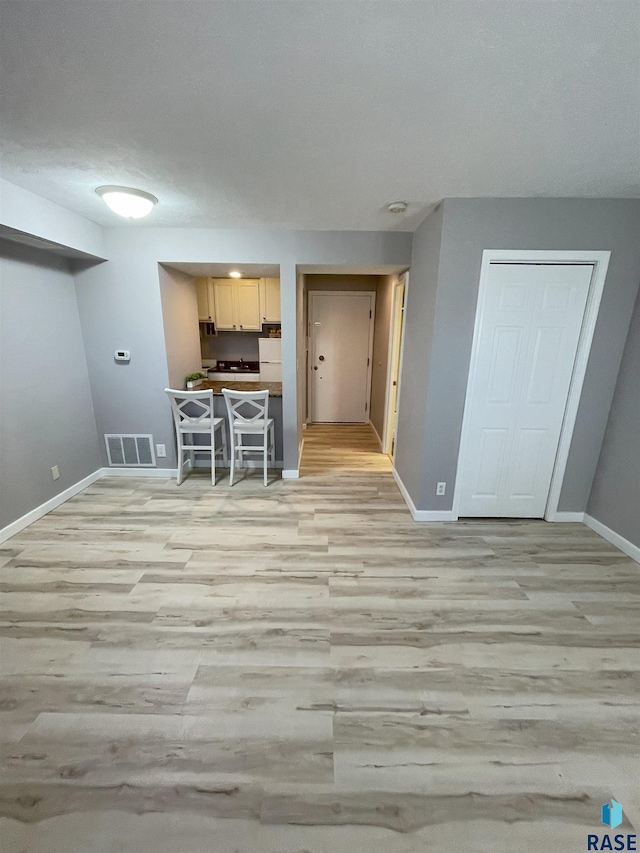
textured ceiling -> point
(318, 114)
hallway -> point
(342, 448)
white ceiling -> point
(296, 114)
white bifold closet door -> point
(529, 323)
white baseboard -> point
(377, 436)
(290, 473)
(566, 516)
(421, 514)
(27, 519)
(610, 535)
(434, 515)
(139, 472)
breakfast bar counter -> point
(274, 388)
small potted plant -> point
(193, 380)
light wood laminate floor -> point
(304, 668)
(335, 448)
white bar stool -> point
(193, 415)
(249, 415)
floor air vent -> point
(132, 450)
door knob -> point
(320, 358)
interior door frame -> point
(372, 319)
(600, 262)
(403, 279)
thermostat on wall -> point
(122, 355)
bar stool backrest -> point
(189, 408)
(247, 406)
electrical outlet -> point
(440, 488)
(55, 473)
(161, 450)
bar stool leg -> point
(180, 460)
(225, 452)
(213, 457)
(264, 457)
(232, 466)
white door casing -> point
(394, 365)
(529, 326)
(341, 342)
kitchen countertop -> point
(274, 388)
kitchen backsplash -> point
(231, 346)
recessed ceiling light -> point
(397, 207)
(126, 201)
(235, 274)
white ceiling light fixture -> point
(235, 274)
(397, 207)
(127, 202)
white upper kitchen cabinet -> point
(204, 292)
(270, 300)
(248, 305)
(237, 304)
(223, 292)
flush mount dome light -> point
(126, 201)
(235, 274)
(397, 207)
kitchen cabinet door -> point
(205, 303)
(270, 303)
(247, 293)
(223, 297)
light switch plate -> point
(55, 473)
(161, 450)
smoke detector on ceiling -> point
(397, 207)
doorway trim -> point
(372, 319)
(402, 280)
(600, 262)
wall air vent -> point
(130, 450)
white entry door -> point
(529, 322)
(341, 337)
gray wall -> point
(120, 306)
(384, 298)
(46, 411)
(181, 328)
(469, 226)
(419, 315)
(615, 497)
